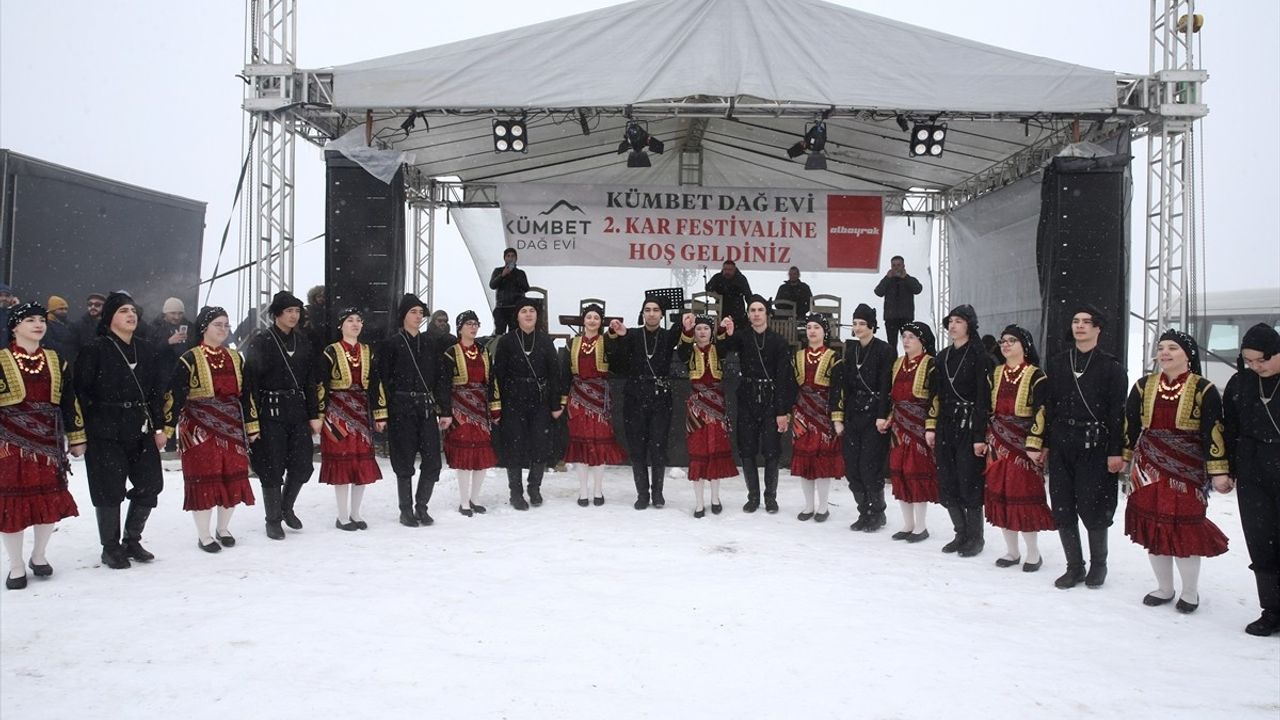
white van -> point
(1224, 318)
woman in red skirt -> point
(346, 436)
(816, 457)
(592, 444)
(1173, 422)
(39, 418)
(215, 421)
(911, 465)
(1015, 495)
(468, 443)
(706, 422)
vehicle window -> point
(1224, 337)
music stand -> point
(673, 298)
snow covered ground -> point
(569, 612)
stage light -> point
(637, 140)
(928, 140)
(814, 142)
(510, 136)
(902, 123)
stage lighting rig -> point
(510, 135)
(928, 139)
(814, 143)
(637, 139)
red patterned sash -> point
(908, 422)
(35, 430)
(217, 419)
(811, 413)
(471, 404)
(1008, 436)
(705, 406)
(1171, 456)
(592, 397)
(348, 412)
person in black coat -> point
(899, 291)
(280, 368)
(510, 284)
(526, 371)
(410, 373)
(795, 291)
(117, 384)
(765, 398)
(85, 330)
(733, 288)
(960, 402)
(644, 356)
(860, 407)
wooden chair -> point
(828, 305)
(584, 302)
(706, 303)
(540, 295)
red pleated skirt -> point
(710, 456)
(1015, 497)
(31, 493)
(913, 473)
(591, 440)
(214, 476)
(1166, 521)
(467, 446)
(813, 458)
(348, 461)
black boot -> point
(860, 500)
(134, 522)
(271, 509)
(958, 524)
(1097, 558)
(640, 474)
(751, 474)
(515, 484)
(973, 530)
(659, 474)
(875, 521)
(290, 496)
(771, 485)
(1070, 536)
(404, 491)
(426, 488)
(113, 555)
(535, 484)
(1269, 598)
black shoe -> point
(291, 519)
(211, 547)
(1097, 575)
(918, 537)
(805, 516)
(1266, 625)
(770, 505)
(40, 570)
(583, 502)
(1032, 567)
(900, 535)
(518, 502)
(274, 531)
(972, 547)
(465, 512)
(424, 517)
(821, 517)
(659, 502)
(751, 506)
(716, 508)
(1185, 607)
(113, 557)
(1071, 578)
(16, 583)
(408, 519)
(348, 525)
(1006, 563)
(478, 509)
(1154, 600)
(597, 500)
(134, 550)
(860, 524)
(641, 503)
(361, 525)
(535, 496)
(700, 513)
(227, 540)
(875, 521)
(954, 545)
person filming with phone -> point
(171, 337)
(510, 285)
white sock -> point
(699, 487)
(42, 533)
(921, 510)
(202, 525)
(357, 494)
(715, 492)
(1032, 539)
(464, 489)
(584, 478)
(13, 546)
(477, 479)
(597, 481)
(807, 487)
(824, 491)
(343, 494)
(1189, 569)
(908, 516)
(1011, 542)
(224, 519)
(1162, 566)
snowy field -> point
(569, 612)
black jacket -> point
(283, 385)
(1104, 385)
(961, 387)
(404, 364)
(765, 356)
(863, 380)
(798, 293)
(899, 295)
(523, 381)
(115, 406)
(733, 293)
(510, 289)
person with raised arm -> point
(706, 413)
(527, 376)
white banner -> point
(608, 225)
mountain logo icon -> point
(565, 204)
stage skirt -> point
(346, 441)
(707, 433)
(468, 443)
(1166, 511)
(33, 467)
(912, 469)
(815, 452)
(215, 458)
(591, 437)
(1015, 494)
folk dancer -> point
(526, 373)
(912, 469)
(706, 417)
(468, 443)
(815, 453)
(861, 407)
(587, 400)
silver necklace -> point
(533, 343)
(644, 335)
(1085, 369)
(1266, 399)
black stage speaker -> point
(1082, 248)
(364, 249)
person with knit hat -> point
(280, 367)
(468, 443)
(589, 404)
(1015, 497)
(702, 351)
(1251, 416)
(413, 377)
(213, 416)
(766, 397)
(860, 408)
(912, 468)
(58, 335)
(350, 411)
(118, 386)
(957, 428)
(816, 420)
(646, 353)
(1081, 445)
(39, 419)
(526, 373)
(1176, 453)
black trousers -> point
(525, 430)
(503, 319)
(892, 328)
(111, 462)
(757, 427)
(410, 435)
(282, 453)
(961, 483)
(646, 421)
(1257, 474)
(865, 452)
(1079, 484)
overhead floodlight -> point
(637, 140)
(510, 136)
(902, 123)
(928, 140)
(814, 143)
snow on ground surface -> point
(605, 612)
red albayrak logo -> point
(855, 225)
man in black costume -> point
(279, 370)
(509, 284)
(733, 288)
(860, 407)
(526, 371)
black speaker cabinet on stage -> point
(1082, 248)
(364, 249)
